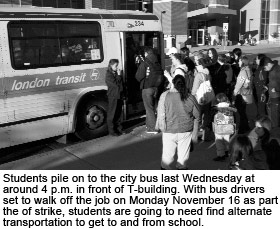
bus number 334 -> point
(139, 23)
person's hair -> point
(238, 52)
(180, 86)
(199, 54)
(241, 148)
(245, 61)
(230, 59)
(264, 139)
(222, 58)
(185, 49)
(178, 56)
(265, 122)
(214, 53)
(261, 57)
(203, 61)
(221, 97)
(148, 50)
(112, 62)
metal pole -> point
(240, 25)
(249, 25)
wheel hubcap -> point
(95, 117)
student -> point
(260, 81)
(114, 93)
(179, 68)
(244, 101)
(187, 60)
(273, 70)
(201, 75)
(240, 151)
(148, 73)
(177, 110)
(223, 119)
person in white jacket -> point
(244, 99)
(179, 69)
(201, 74)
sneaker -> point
(150, 131)
(219, 158)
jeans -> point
(149, 100)
(172, 143)
(114, 115)
(273, 110)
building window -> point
(265, 19)
(75, 4)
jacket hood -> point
(183, 66)
(202, 70)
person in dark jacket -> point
(260, 80)
(219, 75)
(149, 93)
(115, 92)
(273, 90)
(187, 60)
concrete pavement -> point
(136, 150)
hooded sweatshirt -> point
(142, 70)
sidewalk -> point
(133, 151)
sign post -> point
(225, 29)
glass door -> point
(200, 37)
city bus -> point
(53, 66)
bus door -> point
(133, 45)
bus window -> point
(45, 44)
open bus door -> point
(133, 44)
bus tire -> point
(92, 119)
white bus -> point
(53, 65)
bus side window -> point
(40, 44)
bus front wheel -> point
(91, 119)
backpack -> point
(155, 76)
(205, 93)
(189, 78)
(224, 123)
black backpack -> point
(156, 76)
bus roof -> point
(41, 12)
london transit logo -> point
(94, 75)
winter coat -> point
(115, 84)
(142, 70)
(244, 83)
(274, 81)
(178, 116)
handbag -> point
(246, 92)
